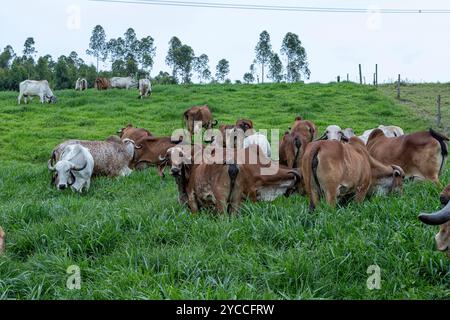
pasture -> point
(132, 240)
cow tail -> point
(233, 171)
(444, 147)
(314, 164)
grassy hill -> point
(132, 240)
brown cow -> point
(333, 169)
(197, 117)
(229, 141)
(223, 184)
(135, 134)
(149, 151)
(102, 83)
(2, 241)
(422, 155)
(441, 218)
(293, 142)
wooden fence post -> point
(348, 77)
(338, 79)
(398, 87)
(438, 114)
(360, 75)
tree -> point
(44, 68)
(184, 57)
(164, 78)
(263, 51)
(222, 70)
(97, 44)
(297, 64)
(275, 68)
(249, 78)
(131, 43)
(147, 51)
(28, 48)
(174, 44)
(202, 68)
(6, 57)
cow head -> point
(63, 176)
(178, 158)
(348, 133)
(334, 132)
(305, 130)
(51, 99)
(441, 218)
(123, 131)
(290, 146)
(244, 124)
(387, 181)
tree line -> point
(130, 56)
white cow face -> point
(178, 158)
(333, 132)
(64, 176)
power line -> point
(216, 5)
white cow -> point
(30, 88)
(261, 141)
(389, 131)
(74, 168)
(123, 82)
(81, 84)
(145, 87)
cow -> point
(149, 151)
(2, 241)
(348, 133)
(442, 218)
(259, 140)
(223, 185)
(81, 84)
(293, 142)
(123, 83)
(422, 155)
(334, 132)
(145, 87)
(102, 83)
(30, 88)
(389, 131)
(231, 132)
(112, 157)
(132, 133)
(335, 170)
(74, 169)
(197, 117)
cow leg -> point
(20, 97)
(331, 196)
(221, 205)
(42, 98)
(361, 193)
(192, 202)
(313, 200)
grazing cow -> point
(422, 155)
(334, 170)
(259, 140)
(123, 83)
(149, 151)
(102, 83)
(197, 117)
(74, 169)
(389, 131)
(81, 84)
(2, 241)
(231, 132)
(244, 125)
(441, 218)
(30, 88)
(222, 185)
(135, 134)
(334, 132)
(145, 87)
(293, 142)
(111, 157)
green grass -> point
(132, 240)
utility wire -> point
(216, 5)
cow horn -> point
(323, 137)
(49, 165)
(80, 169)
(161, 158)
(138, 147)
(215, 123)
(437, 218)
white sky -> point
(415, 45)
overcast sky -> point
(415, 45)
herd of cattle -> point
(31, 88)
(234, 162)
